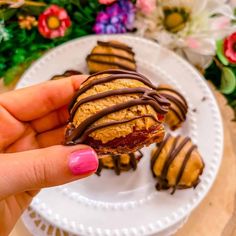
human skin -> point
(32, 124)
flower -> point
(232, 3)
(53, 22)
(116, 18)
(19, 3)
(4, 35)
(146, 6)
(14, 3)
(188, 27)
(106, 1)
(230, 48)
(27, 22)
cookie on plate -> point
(119, 163)
(176, 163)
(178, 108)
(111, 55)
(116, 111)
(66, 74)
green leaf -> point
(33, 10)
(12, 74)
(228, 81)
(233, 103)
(6, 14)
(220, 52)
(213, 73)
(78, 17)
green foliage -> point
(228, 81)
(223, 81)
(220, 52)
(24, 46)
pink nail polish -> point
(83, 161)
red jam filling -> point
(130, 141)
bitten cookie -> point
(116, 111)
(111, 55)
(66, 74)
(119, 163)
(176, 163)
(178, 108)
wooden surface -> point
(216, 215)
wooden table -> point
(216, 215)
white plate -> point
(129, 204)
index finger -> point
(36, 101)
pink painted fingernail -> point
(83, 161)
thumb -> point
(45, 167)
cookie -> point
(120, 163)
(66, 74)
(176, 163)
(111, 55)
(178, 108)
(116, 111)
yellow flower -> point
(174, 19)
(189, 27)
(27, 22)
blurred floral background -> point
(203, 32)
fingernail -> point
(83, 161)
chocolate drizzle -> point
(119, 166)
(116, 45)
(147, 96)
(66, 74)
(90, 130)
(90, 56)
(178, 100)
(126, 62)
(117, 64)
(173, 152)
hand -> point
(32, 124)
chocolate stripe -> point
(168, 159)
(116, 162)
(122, 66)
(133, 161)
(180, 105)
(80, 133)
(158, 151)
(176, 113)
(122, 91)
(116, 71)
(176, 92)
(173, 153)
(186, 159)
(115, 45)
(110, 78)
(109, 55)
(100, 166)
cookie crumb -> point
(204, 99)
(194, 110)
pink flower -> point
(230, 48)
(146, 6)
(106, 2)
(221, 22)
(192, 43)
(53, 22)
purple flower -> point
(116, 18)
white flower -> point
(13, 3)
(4, 36)
(232, 3)
(190, 27)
